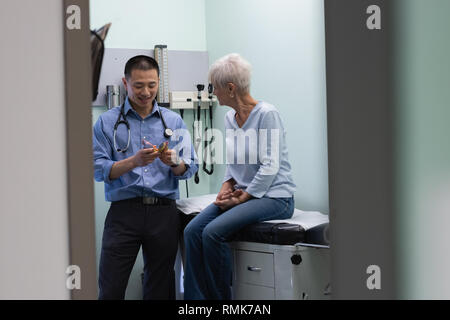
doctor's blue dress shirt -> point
(153, 180)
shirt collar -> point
(128, 107)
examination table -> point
(276, 259)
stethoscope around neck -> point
(167, 131)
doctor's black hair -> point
(140, 62)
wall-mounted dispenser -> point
(112, 96)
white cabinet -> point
(275, 272)
(254, 268)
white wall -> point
(33, 199)
(141, 24)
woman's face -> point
(224, 95)
(218, 92)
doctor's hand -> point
(169, 157)
(145, 156)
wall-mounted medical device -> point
(189, 99)
(162, 57)
(113, 98)
(97, 54)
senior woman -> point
(257, 187)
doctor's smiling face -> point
(142, 87)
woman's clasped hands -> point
(227, 199)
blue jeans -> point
(208, 270)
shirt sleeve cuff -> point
(254, 192)
(190, 169)
(107, 170)
(228, 177)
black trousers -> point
(129, 225)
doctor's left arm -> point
(102, 153)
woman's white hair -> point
(231, 68)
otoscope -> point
(210, 96)
(200, 88)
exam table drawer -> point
(254, 268)
(244, 291)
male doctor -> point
(141, 182)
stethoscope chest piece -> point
(168, 133)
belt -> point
(151, 201)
